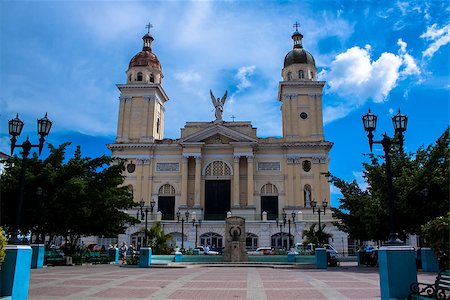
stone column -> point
(236, 181)
(184, 181)
(250, 188)
(198, 178)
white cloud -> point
(360, 181)
(188, 77)
(356, 77)
(439, 36)
(242, 75)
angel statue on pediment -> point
(218, 105)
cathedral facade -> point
(218, 169)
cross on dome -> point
(296, 26)
(148, 26)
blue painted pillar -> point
(178, 257)
(15, 273)
(145, 257)
(37, 259)
(397, 267)
(429, 260)
(291, 257)
(321, 258)
(114, 255)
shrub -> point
(2, 246)
(436, 234)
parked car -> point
(261, 251)
(210, 252)
(310, 248)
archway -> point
(166, 202)
(269, 201)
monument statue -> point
(218, 104)
(235, 237)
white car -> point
(202, 251)
(261, 251)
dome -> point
(145, 58)
(298, 56)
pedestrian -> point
(123, 252)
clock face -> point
(303, 115)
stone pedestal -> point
(145, 257)
(114, 255)
(429, 260)
(15, 273)
(321, 258)
(235, 235)
(397, 267)
(37, 258)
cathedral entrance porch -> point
(217, 199)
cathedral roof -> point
(298, 55)
(146, 58)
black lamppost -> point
(141, 211)
(196, 224)
(289, 226)
(15, 129)
(186, 214)
(319, 209)
(281, 224)
(399, 121)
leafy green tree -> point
(421, 188)
(436, 233)
(2, 246)
(158, 240)
(79, 197)
(317, 237)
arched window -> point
(157, 126)
(152, 78)
(212, 239)
(166, 201)
(130, 190)
(312, 75)
(218, 169)
(269, 201)
(251, 242)
(307, 195)
(301, 75)
(289, 76)
(129, 78)
(139, 76)
(280, 240)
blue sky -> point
(65, 58)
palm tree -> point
(316, 236)
(158, 240)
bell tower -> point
(301, 95)
(142, 98)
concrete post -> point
(145, 257)
(397, 267)
(114, 255)
(429, 260)
(321, 258)
(37, 258)
(15, 273)
(264, 216)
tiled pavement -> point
(211, 283)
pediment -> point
(217, 134)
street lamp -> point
(319, 209)
(281, 224)
(186, 214)
(196, 224)
(289, 226)
(15, 127)
(143, 213)
(399, 122)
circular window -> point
(303, 115)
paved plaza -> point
(212, 283)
